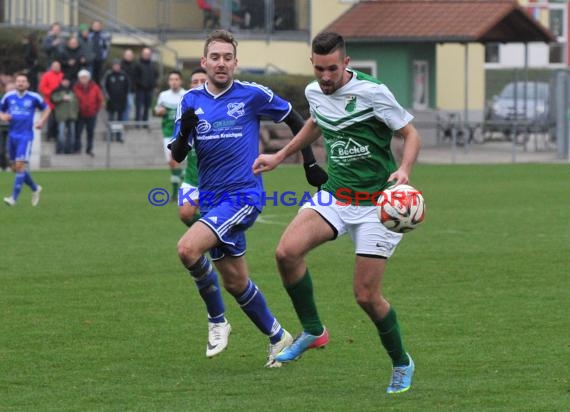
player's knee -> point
(234, 287)
(285, 255)
(186, 214)
(186, 251)
(365, 297)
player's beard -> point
(221, 84)
(328, 87)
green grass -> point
(96, 313)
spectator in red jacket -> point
(48, 83)
(91, 100)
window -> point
(285, 17)
(365, 66)
(556, 53)
(555, 22)
(492, 53)
(557, 25)
(420, 88)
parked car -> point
(512, 105)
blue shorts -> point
(19, 149)
(229, 222)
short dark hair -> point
(328, 42)
(177, 72)
(197, 70)
(222, 36)
(22, 74)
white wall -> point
(512, 55)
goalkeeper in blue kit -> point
(220, 121)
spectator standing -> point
(9, 86)
(52, 42)
(128, 65)
(72, 59)
(146, 78)
(3, 146)
(66, 110)
(48, 83)
(31, 56)
(86, 47)
(116, 86)
(100, 41)
(91, 100)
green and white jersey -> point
(169, 100)
(357, 122)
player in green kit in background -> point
(358, 116)
(166, 106)
(187, 211)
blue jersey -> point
(227, 136)
(22, 108)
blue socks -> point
(207, 283)
(18, 182)
(255, 307)
(251, 300)
(29, 181)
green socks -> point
(301, 294)
(389, 332)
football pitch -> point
(96, 312)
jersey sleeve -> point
(159, 100)
(270, 104)
(39, 102)
(387, 109)
(4, 104)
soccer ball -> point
(401, 208)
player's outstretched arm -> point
(179, 148)
(308, 134)
(412, 144)
(314, 173)
(43, 118)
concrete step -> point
(141, 148)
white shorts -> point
(167, 154)
(369, 236)
(186, 192)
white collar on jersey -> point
(215, 96)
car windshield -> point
(533, 91)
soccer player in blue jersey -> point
(18, 108)
(220, 121)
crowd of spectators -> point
(71, 69)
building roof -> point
(458, 21)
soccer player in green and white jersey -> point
(188, 211)
(166, 106)
(357, 116)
